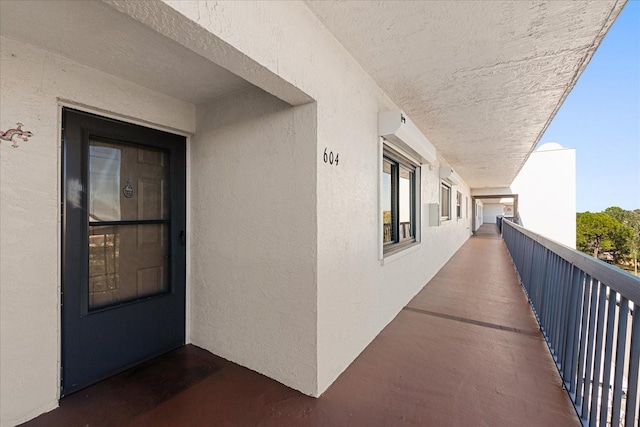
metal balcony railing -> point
(586, 311)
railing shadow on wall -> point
(586, 312)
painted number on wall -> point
(330, 157)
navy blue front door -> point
(123, 292)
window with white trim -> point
(398, 200)
(445, 201)
(459, 205)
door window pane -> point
(127, 262)
(127, 182)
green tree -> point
(621, 241)
(617, 213)
(596, 232)
(634, 246)
(631, 235)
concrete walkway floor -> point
(466, 351)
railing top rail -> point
(617, 279)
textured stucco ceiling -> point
(483, 79)
(99, 36)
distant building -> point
(546, 186)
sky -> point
(601, 119)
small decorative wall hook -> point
(14, 134)
(128, 190)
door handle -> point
(183, 238)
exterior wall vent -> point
(396, 127)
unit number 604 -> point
(329, 158)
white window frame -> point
(444, 203)
(458, 205)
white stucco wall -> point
(253, 241)
(546, 186)
(356, 295)
(257, 293)
(32, 81)
(491, 211)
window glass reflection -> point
(405, 204)
(445, 201)
(127, 262)
(387, 229)
(104, 183)
(127, 182)
(398, 202)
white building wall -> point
(343, 290)
(546, 186)
(33, 81)
(491, 211)
(253, 240)
(356, 295)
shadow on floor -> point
(466, 351)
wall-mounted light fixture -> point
(397, 128)
(448, 174)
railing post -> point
(582, 345)
(588, 382)
(608, 354)
(564, 308)
(538, 280)
(545, 296)
(620, 353)
(555, 303)
(595, 387)
(575, 310)
(634, 365)
(531, 254)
